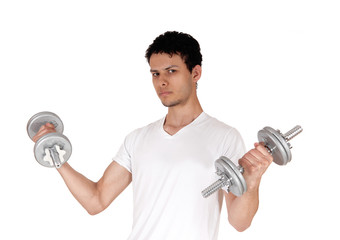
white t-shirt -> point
(169, 173)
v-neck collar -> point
(197, 120)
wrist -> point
(253, 186)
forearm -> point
(83, 189)
(243, 209)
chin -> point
(171, 104)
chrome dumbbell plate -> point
(237, 185)
(41, 119)
(49, 141)
(276, 143)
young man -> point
(170, 161)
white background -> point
(272, 63)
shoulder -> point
(147, 129)
(221, 127)
(230, 141)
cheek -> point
(185, 88)
(189, 84)
(154, 83)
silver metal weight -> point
(231, 178)
(278, 144)
(40, 119)
(48, 143)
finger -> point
(251, 158)
(259, 143)
(250, 164)
(257, 154)
(42, 128)
(245, 163)
(36, 138)
(45, 129)
(262, 160)
(264, 151)
(50, 125)
(262, 148)
(39, 135)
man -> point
(170, 161)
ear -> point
(196, 73)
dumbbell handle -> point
(292, 133)
(55, 156)
(224, 181)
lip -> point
(165, 93)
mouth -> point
(164, 93)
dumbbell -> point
(51, 144)
(231, 178)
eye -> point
(171, 70)
(155, 74)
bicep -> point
(114, 180)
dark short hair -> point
(177, 43)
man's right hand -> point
(45, 129)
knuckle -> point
(252, 153)
(271, 159)
(259, 147)
(246, 156)
(265, 165)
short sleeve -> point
(235, 148)
(123, 156)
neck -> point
(180, 116)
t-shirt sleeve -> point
(123, 156)
(235, 148)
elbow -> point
(92, 212)
(95, 205)
(240, 226)
(95, 208)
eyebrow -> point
(167, 68)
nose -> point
(163, 81)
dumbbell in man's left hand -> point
(255, 163)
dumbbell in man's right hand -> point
(52, 148)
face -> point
(173, 82)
